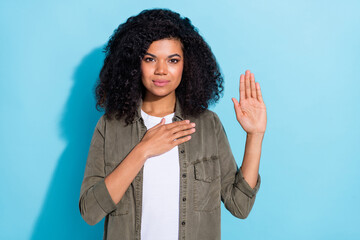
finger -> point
(242, 87)
(258, 92)
(183, 133)
(180, 140)
(253, 87)
(182, 127)
(247, 84)
(174, 124)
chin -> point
(159, 93)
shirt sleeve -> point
(95, 201)
(236, 194)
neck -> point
(159, 106)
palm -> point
(250, 110)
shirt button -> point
(183, 223)
(184, 199)
(184, 175)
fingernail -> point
(187, 121)
(193, 124)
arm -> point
(238, 193)
(99, 193)
(251, 161)
(95, 201)
(251, 114)
(156, 141)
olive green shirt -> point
(208, 175)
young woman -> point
(159, 162)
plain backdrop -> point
(305, 55)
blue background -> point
(305, 55)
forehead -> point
(166, 47)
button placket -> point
(183, 189)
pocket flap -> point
(207, 169)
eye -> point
(174, 60)
(149, 59)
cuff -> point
(103, 197)
(243, 186)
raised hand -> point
(163, 137)
(250, 110)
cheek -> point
(178, 71)
(181, 71)
(144, 72)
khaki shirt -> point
(208, 175)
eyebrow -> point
(170, 56)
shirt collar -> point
(178, 111)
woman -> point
(159, 162)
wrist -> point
(254, 137)
(257, 134)
(142, 151)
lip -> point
(160, 83)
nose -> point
(161, 68)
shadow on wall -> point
(60, 216)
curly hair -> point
(119, 87)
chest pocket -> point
(207, 184)
(122, 207)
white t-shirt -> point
(161, 184)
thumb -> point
(162, 122)
(236, 104)
(238, 111)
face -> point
(162, 68)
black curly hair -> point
(119, 87)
